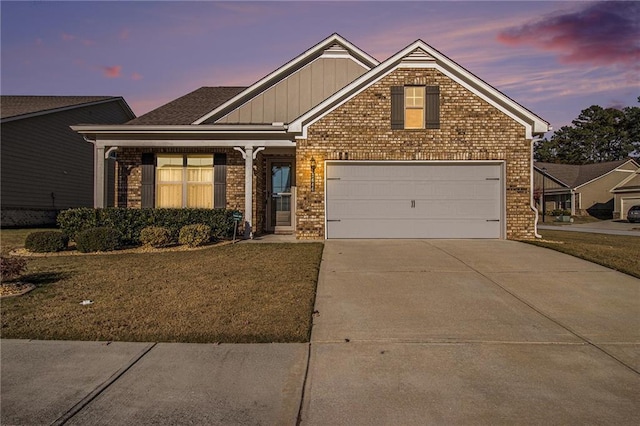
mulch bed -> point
(15, 289)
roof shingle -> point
(574, 175)
(13, 106)
(188, 108)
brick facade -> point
(470, 129)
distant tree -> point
(597, 135)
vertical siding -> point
(298, 93)
(42, 156)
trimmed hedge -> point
(46, 241)
(155, 236)
(130, 222)
(97, 239)
(195, 235)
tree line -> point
(597, 135)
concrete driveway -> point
(407, 332)
(471, 332)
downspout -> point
(532, 201)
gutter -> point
(533, 204)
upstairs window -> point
(415, 107)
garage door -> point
(626, 204)
(414, 200)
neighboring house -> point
(582, 189)
(335, 144)
(46, 166)
(626, 194)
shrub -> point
(98, 239)
(195, 235)
(155, 236)
(46, 241)
(560, 212)
(12, 267)
(131, 222)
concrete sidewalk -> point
(407, 332)
(97, 383)
(611, 227)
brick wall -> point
(129, 174)
(470, 129)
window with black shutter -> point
(415, 107)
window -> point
(184, 181)
(415, 107)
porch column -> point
(248, 192)
(98, 177)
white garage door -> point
(627, 203)
(414, 200)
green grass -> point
(229, 293)
(619, 252)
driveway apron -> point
(470, 332)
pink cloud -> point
(136, 76)
(114, 71)
(67, 37)
(599, 33)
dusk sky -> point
(555, 58)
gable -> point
(298, 92)
(333, 56)
(419, 55)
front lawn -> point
(620, 252)
(228, 293)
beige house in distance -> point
(335, 144)
(586, 189)
(626, 194)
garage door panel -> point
(414, 200)
(426, 228)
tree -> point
(597, 135)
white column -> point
(98, 177)
(248, 192)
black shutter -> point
(148, 180)
(219, 181)
(397, 107)
(433, 107)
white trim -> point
(501, 163)
(625, 180)
(446, 66)
(287, 68)
(191, 143)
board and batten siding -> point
(298, 93)
(42, 156)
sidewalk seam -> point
(101, 388)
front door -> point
(280, 195)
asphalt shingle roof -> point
(190, 107)
(13, 106)
(575, 175)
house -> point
(335, 144)
(46, 166)
(583, 189)
(626, 194)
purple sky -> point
(555, 58)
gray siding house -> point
(46, 166)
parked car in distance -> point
(634, 214)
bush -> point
(195, 235)
(12, 267)
(46, 241)
(559, 212)
(155, 236)
(98, 239)
(131, 222)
